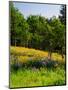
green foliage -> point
(37, 31)
(40, 33)
(62, 16)
(37, 77)
(37, 72)
(18, 26)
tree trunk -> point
(62, 56)
(49, 55)
(27, 43)
(15, 41)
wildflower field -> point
(30, 67)
(37, 44)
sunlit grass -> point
(37, 77)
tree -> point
(58, 35)
(37, 32)
(37, 29)
(19, 27)
(62, 17)
(33, 27)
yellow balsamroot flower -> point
(57, 57)
(25, 54)
(23, 59)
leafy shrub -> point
(51, 63)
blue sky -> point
(46, 10)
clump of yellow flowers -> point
(25, 54)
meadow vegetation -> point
(37, 49)
(30, 67)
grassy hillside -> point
(31, 75)
(37, 77)
(25, 54)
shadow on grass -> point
(37, 64)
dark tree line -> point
(37, 31)
(62, 15)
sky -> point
(46, 10)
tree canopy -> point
(62, 15)
(37, 31)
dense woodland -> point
(37, 31)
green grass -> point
(37, 77)
(31, 68)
